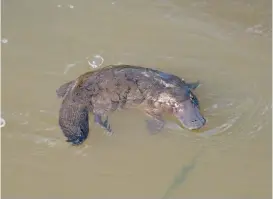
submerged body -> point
(123, 86)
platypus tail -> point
(63, 89)
(73, 120)
(73, 114)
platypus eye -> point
(194, 99)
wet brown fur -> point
(116, 87)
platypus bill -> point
(124, 86)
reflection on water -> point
(224, 45)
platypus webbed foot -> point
(155, 126)
(104, 124)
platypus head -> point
(184, 106)
(187, 111)
(189, 115)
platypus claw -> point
(104, 124)
(154, 126)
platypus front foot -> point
(156, 123)
(104, 124)
(154, 126)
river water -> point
(226, 45)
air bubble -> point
(96, 61)
(70, 6)
(4, 40)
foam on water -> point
(3, 122)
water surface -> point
(226, 45)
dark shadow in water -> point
(181, 177)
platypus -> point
(115, 87)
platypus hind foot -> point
(104, 124)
